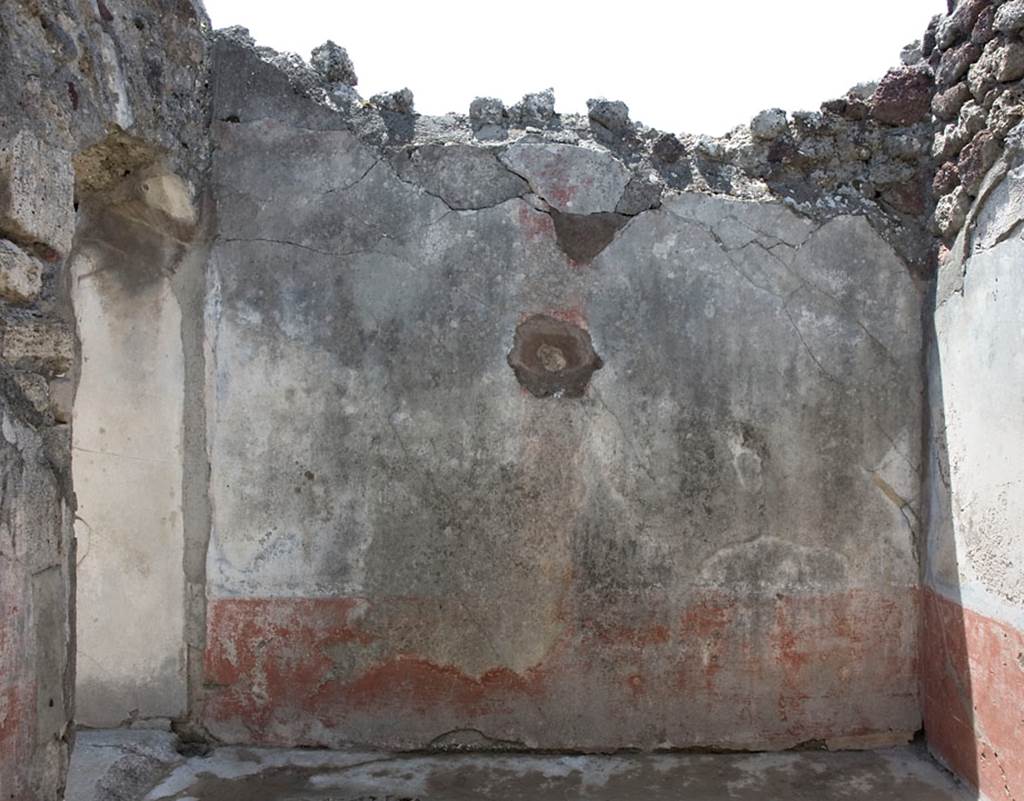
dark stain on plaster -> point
(553, 357)
(583, 236)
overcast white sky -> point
(685, 66)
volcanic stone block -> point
(20, 274)
(903, 96)
(36, 193)
(46, 346)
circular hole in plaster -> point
(552, 357)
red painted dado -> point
(771, 671)
(973, 696)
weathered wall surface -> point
(89, 92)
(508, 430)
(713, 545)
(974, 599)
(127, 450)
(35, 632)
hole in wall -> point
(552, 357)
(583, 236)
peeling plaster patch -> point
(170, 195)
(582, 236)
(1001, 214)
(553, 357)
(891, 476)
(770, 563)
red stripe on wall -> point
(972, 680)
(733, 672)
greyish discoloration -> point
(236, 774)
(774, 459)
(713, 544)
(464, 177)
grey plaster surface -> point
(977, 372)
(104, 759)
(753, 435)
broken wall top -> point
(867, 153)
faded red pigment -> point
(772, 672)
(535, 225)
(972, 677)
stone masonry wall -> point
(977, 54)
(89, 92)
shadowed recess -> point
(553, 357)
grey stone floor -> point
(140, 765)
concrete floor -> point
(146, 766)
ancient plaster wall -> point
(713, 545)
(128, 441)
(89, 92)
(973, 600)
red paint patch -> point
(769, 671)
(535, 224)
(635, 637)
(972, 677)
(419, 686)
(708, 618)
(562, 185)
